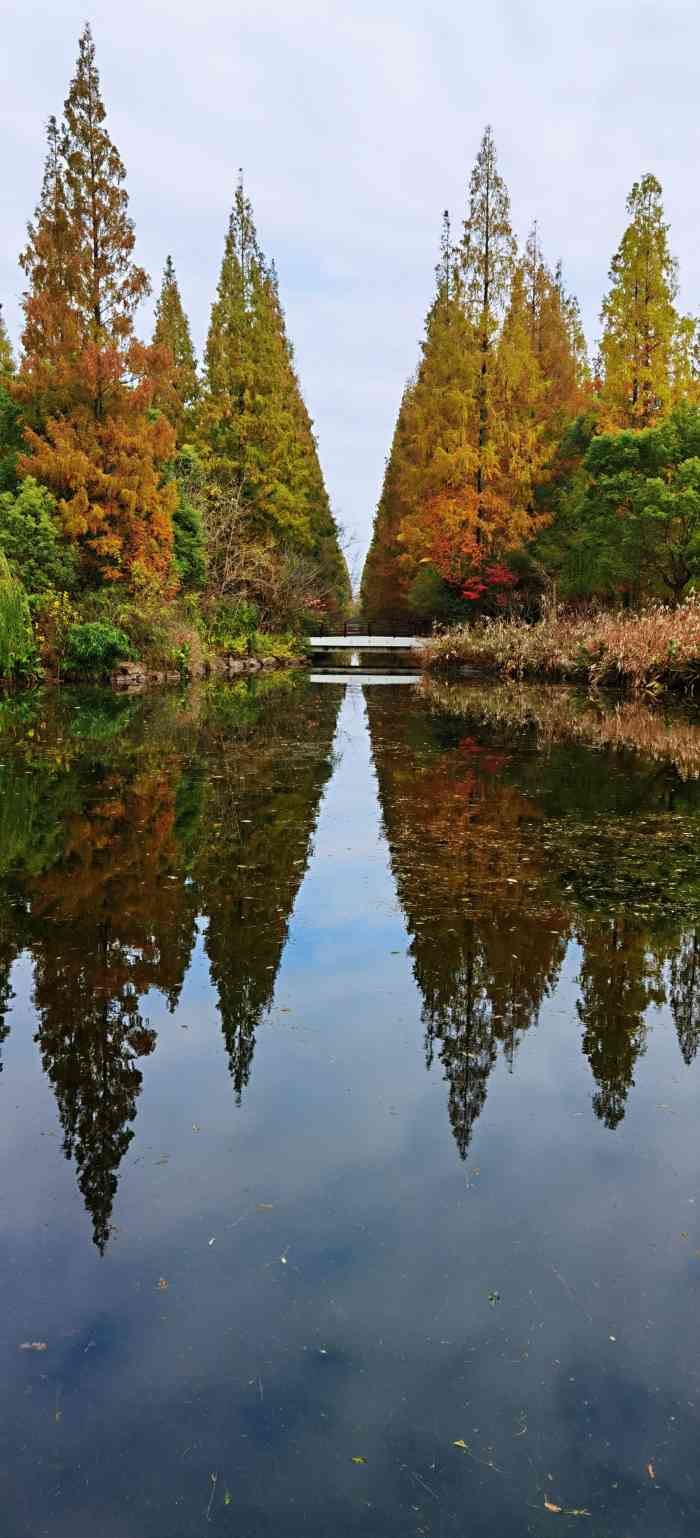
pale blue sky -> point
(357, 123)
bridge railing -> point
(352, 628)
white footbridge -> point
(364, 643)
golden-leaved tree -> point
(503, 371)
(86, 383)
(647, 347)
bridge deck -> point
(383, 643)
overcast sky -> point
(356, 124)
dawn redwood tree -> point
(646, 348)
(384, 589)
(87, 384)
(438, 451)
(172, 330)
(254, 430)
(487, 253)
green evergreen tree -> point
(172, 330)
(254, 428)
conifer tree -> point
(85, 380)
(556, 337)
(254, 428)
(385, 578)
(172, 330)
(535, 281)
(645, 343)
(518, 412)
(436, 471)
(488, 257)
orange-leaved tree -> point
(86, 382)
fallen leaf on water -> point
(550, 1506)
(227, 1497)
(651, 1471)
(460, 1443)
(33, 1345)
(358, 1460)
(162, 1284)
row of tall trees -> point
(129, 444)
(486, 482)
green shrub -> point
(286, 648)
(11, 442)
(94, 646)
(30, 539)
(17, 651)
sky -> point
(356, 124)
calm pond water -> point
(349, 1122)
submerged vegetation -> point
(137, 493)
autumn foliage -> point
(87, 382)
(515, 473)
(503, 367)
(135, 456)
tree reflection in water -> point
(124, 824)
(494, 888)
(113, 841)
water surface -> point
(349, 1114)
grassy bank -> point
(650, 651)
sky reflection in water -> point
(349, 1112)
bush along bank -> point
(652, 651)
(132, 640)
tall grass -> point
(654, 650)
